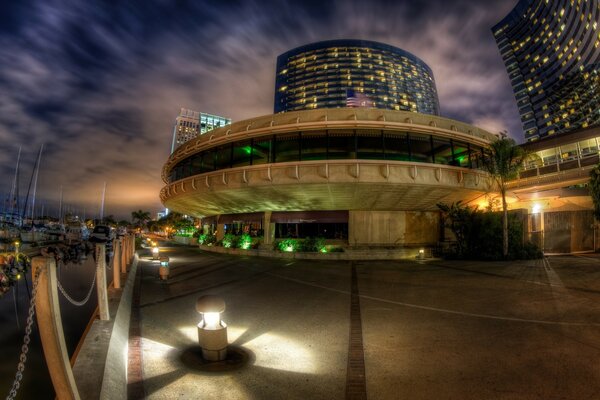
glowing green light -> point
(247, 149)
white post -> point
(101, 282)
(117, 264)
(47, 309)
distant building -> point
(189, 124)
(353, 73)
(549, 49)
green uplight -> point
(247, 149)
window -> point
(369, 144)
(420, 147)
(341, 145)
(261, 151)
(287, 147)
(442, 151)
(314, 146)
(396, 146)
(242, 154)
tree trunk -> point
(504, 225)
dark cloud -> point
(100, 82)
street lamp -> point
(163, 270)
(212, 331)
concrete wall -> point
(400, 228)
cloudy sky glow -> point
(100, 82)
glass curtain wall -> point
(346, 144)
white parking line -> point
(441, 310)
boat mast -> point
(33, 178)
(37, 172)
(60, 206)
(102, 203)
(14, 191)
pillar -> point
(47, 309)
(101, 282)
(117, 264)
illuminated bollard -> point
(17, 248)
(212, 332)
(421, 254)
(155, 253)
(163, 270)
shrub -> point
(230, 241)
(480, 235)
(207, 239)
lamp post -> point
(163, 270)
(212, 331)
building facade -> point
(190, 124)
(546, 45)
(554, 189)
(353, 73)
(361, 176)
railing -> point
(577, 168)
(45, 303)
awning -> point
(244, 218)
(209, 220)
(308, 217)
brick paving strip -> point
(356, 388)
(135, 379)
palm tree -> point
(503, 163)
(595, 190)
(140, 218)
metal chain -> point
(75, 302)
(25, 348)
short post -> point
(117, 264)
(163, 270)
(123, 259)
(101, 282)
(132, 246)
(47, 309)
(155, 252)
(212, 332)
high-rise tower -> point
(189, 124)
(549, 48)
(353, 73)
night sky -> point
(101, 82)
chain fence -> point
(26, 339)
(73, 301)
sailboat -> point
(10, 220)
(31, 233)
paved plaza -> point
(304, 329)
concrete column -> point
(220, 231)
(47, 310)
(116, 264)
(101, 282)
(352, 239)
(123, 257)
(132, 238)
(268, 229)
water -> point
(76, 278)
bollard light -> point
(421, 254)
(163, 270)
(212, 331)
(17, 247)
(155, 252)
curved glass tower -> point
(546, 46)
(353, 73)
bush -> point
(480, 235)
(207, 239)
(230, 241)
